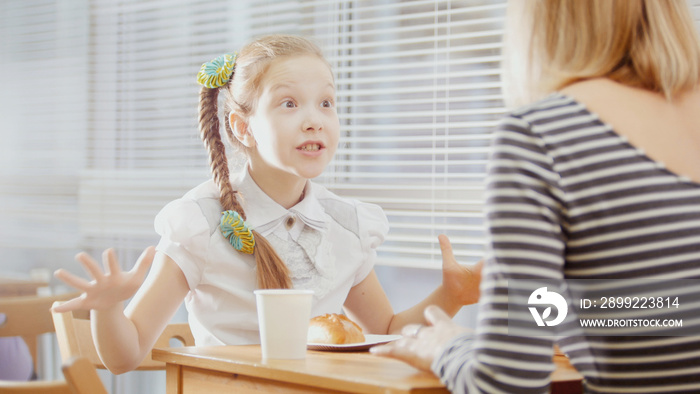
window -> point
(98, 112)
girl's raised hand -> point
(107, 288)
(460, 282)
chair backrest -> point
(80, 378)
(75, 339)
(28, 317)
(35, 387)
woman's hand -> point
(109, 287)
(460, 282)
(421, 344)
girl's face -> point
(295, 127)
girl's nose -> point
(312, 121)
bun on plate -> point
(335, 329)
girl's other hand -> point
(107, 288)
(420, 345)
(460, 282)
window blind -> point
(143, 144)
(43, 115)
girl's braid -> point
(209, 132)
(272, 273)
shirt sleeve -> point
(185, 236)
(523, 217)
(373, 227)
(450, 364)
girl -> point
(277, 230)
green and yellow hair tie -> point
(216, 73)
(237, 232)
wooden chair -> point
(35, 387)
(29, 317)
(75, 339)
(81, 378)
(15, 287)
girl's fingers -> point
(478, 267)
(446, 250)
(72, 280)
(110, 262)
(90, 265)
(144, 261)
(70, 305)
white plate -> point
(370, 340)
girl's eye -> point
(327, 104)
(288, 104)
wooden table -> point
(12, 287)
(241, 369)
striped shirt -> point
(568, 198)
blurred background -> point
(98, 125)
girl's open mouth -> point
(310, 147)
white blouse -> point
(328, 242)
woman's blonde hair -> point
(241, 95)
(550, 44)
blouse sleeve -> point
(523, 216)
(373, 227)
(185, 235)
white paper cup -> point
(283, 317)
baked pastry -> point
(334, 329)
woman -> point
(597, 179)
